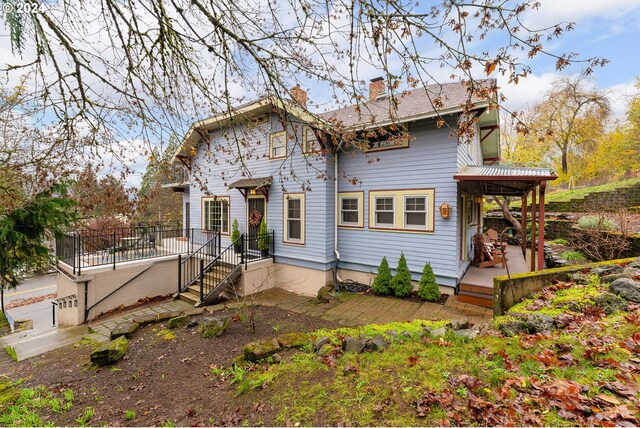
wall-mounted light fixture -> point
(445, 210)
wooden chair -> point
(495, 239)
(488, 253)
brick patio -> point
(358, 309)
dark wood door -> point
(257, 204)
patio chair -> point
(495, 239)
(487, 254)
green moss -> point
(166, 334)
(11, 353)
(574, 256)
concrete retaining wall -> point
(507, 292)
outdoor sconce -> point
(253, 192)
(445, 210)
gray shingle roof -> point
(251, 183)
(413, 103)
(504, 172)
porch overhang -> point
(502, 180)
(247, 186)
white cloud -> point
(619, 96)
(580, 11)
(527, 92)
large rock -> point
(606, 270)
(293, 340)
(125, 329)
(261, 349)
(579, 278)
(110, 352)
(458, 324)
(438, 332)
(610, 303)
(354, 345)
(626, 288)
(537, 323)
(513, 327)
(154, 318)
(321, 342)
(376, 343)
(176, 322)
(635, 264)
(469, 333)
(213, 327)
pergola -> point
(496, 180)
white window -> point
(384, 211)
(415, 212)
(351, 209)
(215, 214)
(294, 221)
(278, 145)
(310, 142)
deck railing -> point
(100, 247)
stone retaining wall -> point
(553, 229)
(508, 291)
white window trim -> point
(426, 212)
(271, 138)
(399, 196)
(360, 198)
(306, 148)
(393, 211)
(285, 218)
(207, 199)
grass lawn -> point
(566, 195)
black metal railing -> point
(190, 267)
(110, 246)
(174, 174)
(258, 247)
(218, 269)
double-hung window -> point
(415, 212)
(294, 222)
(384, 212)
(215, 214)
(351, 209)
(278, 145)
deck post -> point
(523, 222)
(533, 230)
(543, 185)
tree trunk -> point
(503, 203)
(565, 168)
(2, 297)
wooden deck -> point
(476, 286)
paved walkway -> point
(101, 329)
(358, 309)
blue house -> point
(344, 190)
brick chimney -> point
(376, 88)
(299, 95)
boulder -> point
(608, 279)
(293, 340)
(325, 350)
(392, 333)
(626, 288)
(458, 324)
(275, 359)
(325, 294)
(610, 303)
(469, 333)
(606, 270)
(213, 327)
(154, 318)
(406, 334)
(513, 327)
(178, 321)
(376, 343)
(260, 349)
(321, 342)
(354, 345)
(111, 352)
(579, 278)
(438, 332)
(537, 323)
(635, 264)
(125, 329)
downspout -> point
(336, 277)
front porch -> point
(476, 286)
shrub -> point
(401, 282)
(427, 287)
(382, 283)
(235, 230)
(574, 256)
(264, 239)
(559, 241)
(595, 222)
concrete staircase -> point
(216, 281)
(476, 295)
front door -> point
(255, 211)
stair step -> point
(475, 299)
(479, 289)
(217, 274)
(189, 297)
